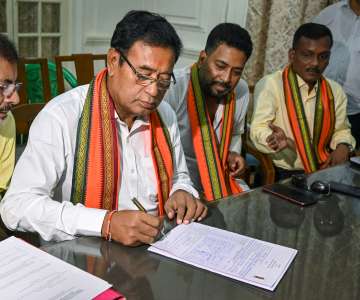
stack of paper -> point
(233, 255)
(27, 272)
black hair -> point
(312, 31)
(230, 34)
(8, 50)
(148, 27)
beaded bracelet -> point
(108, 233)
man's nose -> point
(315, 61)
(226, 75)
(13, 99)
(152, 89)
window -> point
(34, 25)
(4, 13)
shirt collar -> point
(304, 85)
(345, 3)
(140, 121)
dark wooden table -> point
(326, 235)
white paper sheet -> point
(233, 255)
(27, 272)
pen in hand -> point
(141, 208)
(138, 205)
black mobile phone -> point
(355, 162)
(292, 194)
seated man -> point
(8, 98)
(299, 115)
(95, 148)
(210, 102)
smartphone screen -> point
(292, 194)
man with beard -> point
(299, 115)
(210, 102)
(8, 98)
(344, 22)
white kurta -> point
(39, 195)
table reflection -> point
(126, 270)
(326, 236)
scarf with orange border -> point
(211, 155)
(97, 167)
(316, 151)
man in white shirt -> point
(343, 19)
(214, 81)
(95, 148)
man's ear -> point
(291, 55)
(202, 57)
(113, 60)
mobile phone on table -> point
(292, 194)
(355, 162)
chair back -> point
(264, 167)
(45, 80)
(25, 112)
(84, 67)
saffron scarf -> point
(211, 154)
(97, 166)
(313, 152)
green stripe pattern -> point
(224, 132)
(82, 150)
(318, 120)
(205, 134)
(166, 134)
(301, 117)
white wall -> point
(92, 22)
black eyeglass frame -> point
(142, 77)
(13, 86)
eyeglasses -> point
(145, 80)
(7, 89)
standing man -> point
(343, 19)
(299, 115)
(210, 102)
(8, 98)
(94, 149)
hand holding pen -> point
(183, 205)
(166, 225)
(138, 205)
(132, 227)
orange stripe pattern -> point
(211, 154)
(313, 152)
(97, 166)
(162, 157)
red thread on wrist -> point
(108, 233)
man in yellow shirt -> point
(300, 116)
(8, 98)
